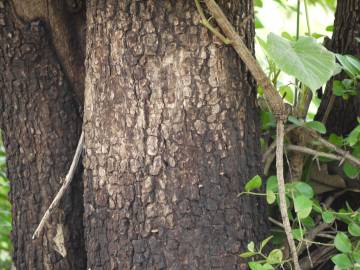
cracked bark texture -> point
(171, 137)
(342, 117)
(41, 125)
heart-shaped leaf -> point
(305, 59)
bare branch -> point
(306, 150)
(63, 188)
(346, 155)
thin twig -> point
(306, 150)
(312, 234)
(346, 155)
(63, 188)
(277, 223)
(318, 255)
(205, 22)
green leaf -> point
(303, 189)
(328, 217)
(267, 120)
(295, 121)
(275, 257)
(258, 23)
(330, 28)
(342, 242)
(356, 255)
(271, 188)
(265, 242)
(288, 36)
(354, 62)
(347, 65)
(350, 170)
(270, 196)
(308, 222)
(335, 139)
(258, 3)
(354, 136)
(258, 266)
(303, 206)
(254, 183)
(338, 88)
(251, 246)
(354, 229)
(317, 35)
(318, 126)
(342, 261)
(288, 93)
(350, 64)
(305, 59)
(298, 234)
(247, 254)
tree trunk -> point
(343, 113)
(41, 125)
(171, 137)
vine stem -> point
(281, 186)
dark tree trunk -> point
(41, 125)
(343, 113)
(171, 137)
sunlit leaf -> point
(254, 183)
(308, 61)
(275, 257)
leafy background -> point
(5, 214)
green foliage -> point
(342, 261)
(5, 215)
(270, 261)
(254, 183)
(305, 59)
(303, 205)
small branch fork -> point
(63, 188)
(272, 96)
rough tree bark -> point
(41, 125)
(171, 137)
(343, 114)
(171, 134)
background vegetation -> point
(5, 214)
